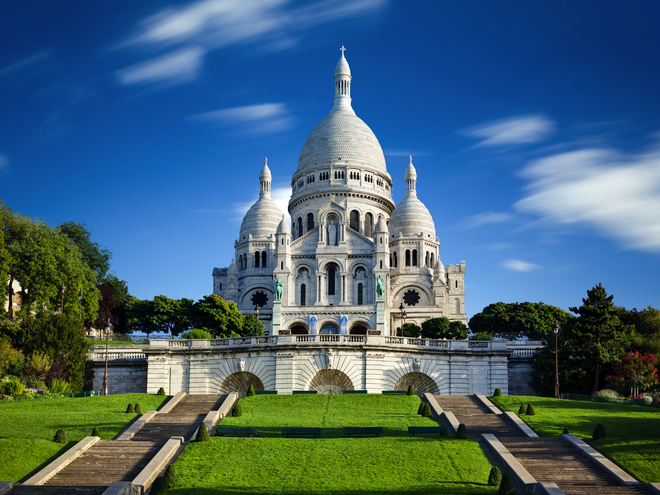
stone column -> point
(319, 289)
(343, 289)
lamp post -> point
(555, 330)
(63, 291)
(256, 310)
(108, 326)
(403, 317)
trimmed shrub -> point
(161, 391)
(462, 432)
(495, 477)
(506, 485)
(237, 411)
(420, 408)
(250, 392)
(57, 387)
(130, 409)
(410, 391)
(426, 411)
(60, 437)
(159, 486)
(645, 401)
(497, 393)
(530, 410)
(138, 409)
(522, 410)
(171, 477)
(96, 432)
(203, 433)
(565, 432)
(13, 387)
(609, 393)
(599, 432)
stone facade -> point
(124, 377)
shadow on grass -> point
(334, 432)
(439, 487)
(64, 449)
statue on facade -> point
(417, 364)
(380, 288)
(328, 359)
(332, 233)
(278, 288)
(241, 365)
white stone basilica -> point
(346, 235)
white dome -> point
(261, 220)
(411, 217)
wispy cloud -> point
(519, 265)
(180, 66)
(266, 118)
(404, 153)
(213, 24)
(496, 246)
(4, 162)
(488, 218)
(618, 195)
(279, 195)
(520, 129)
(25, 63)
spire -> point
(264, 180)
(411, 179)
(343, 84)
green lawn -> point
(633, 432)
(393, 463)
(28, 427)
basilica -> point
(351, 261)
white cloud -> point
(498, 245)
(519, 265)
(4, 162)
(279, 195)
(179, 66)
(619, 196)
(488, 218)
(214, 24)
(265, 118)
(26, 62)
(521, 129)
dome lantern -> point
(343, 84)
(264, 180)
(411, 179)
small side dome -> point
(411, 217)
(381, 226)
(232, 270)
(283, 227)
(261, 220)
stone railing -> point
(114, 355)
(518, 352)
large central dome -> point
(342, 135)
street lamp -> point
(256, 309)
(108, 327)
(555, 330)
(403, 317)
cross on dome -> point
(266, 161)
(342, 49)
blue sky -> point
(534, 128)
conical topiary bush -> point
(426, 411)
(237, 411)
(462, 432)
(159, 486)
(138, 409)
(495, 477)
(522, 409)
(420, 408)
(96, 432)
(171, 478)
(161, 391)
(565, 432)
(130, 409)
(506, 485)
(250, 392)
(530, 410)
(497, 393)
(202, 433)
(599, 432)
(60, 437)
(411, 390)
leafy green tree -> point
(172, 315)
(214, 314)
(93, 254)
(409, 330)
(442, 328)
(139, 315)
(518, 320)
(196, 333)
(252, 325)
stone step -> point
(56, 490)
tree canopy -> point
(442, 328)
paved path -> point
(546, 459)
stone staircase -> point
(546, 459)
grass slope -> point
(28, 427)
(393, 463)
(633, 432)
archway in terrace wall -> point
(421, 382)
(240, 383)
(330, 382)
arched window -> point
(264, 262)
(369, 225)
(355, 220)
(240, 262)
(407, 257)
(396, 264)
(303, 294)
(300, 230)
(456, 282)
(457, 304)
(426, 259)
(310, 221)
(432, 261)
(360, 288)
(381, 264)
(256, 259)
(414, 257)
(281, 265)
(332, 273)
(391, 260)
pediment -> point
(356, 240)
(332, 207)
(309, 241)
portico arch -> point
(240, 383)
(299, 329)
(358, 328)
(421, 382)
(330, 382)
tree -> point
(409, 330)
(139, 315)
(93, 254)
(171, 315)
(635, 370)
(252, 325)
(442, 328)
(518, 320)
(214, 314)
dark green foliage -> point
(495, 477)
(530, 410)
(196, 333)
(565, 432)
(252, 325)
(523, 409)
(250, 392)
(161, 391)
(442, 328)
(426, 411)
(462, 432)
(130, 409)
(218, 316)
(171, 477)
(138, 409)
(599, 432)
(420, 408)
(60, 437)
(410, 391)
(497, 393)
(96, 432)
(202, 433)
(238, 410)
(506, 485)
(159, 486)
(409, 330)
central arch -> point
(330, 382)
(240, 383)
(421, 382)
